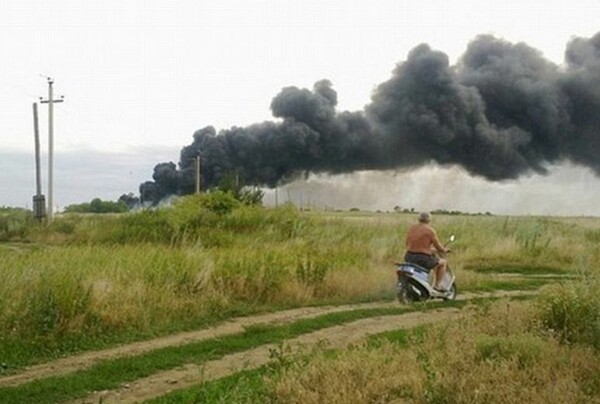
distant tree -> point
(9, 209)
(97, 205)
(232, 184)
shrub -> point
(219, 202)
(188, 215)
(15, 224)
(572, 311)
(145, 226)
(231, 184)
(97, 205)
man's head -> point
(424, 217)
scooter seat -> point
(414, 266)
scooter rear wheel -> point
(404, 296)
(453, 292)
(404, 292)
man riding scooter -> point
(421, 240)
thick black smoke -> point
(501, 112)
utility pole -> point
(50, 101)
(197, 167)
(39, 201)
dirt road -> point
(335, 337)
(163, 382)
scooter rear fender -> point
(413, 271)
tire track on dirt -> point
(74, 363)
(340, 336)
(71, 364)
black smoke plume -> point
(503, 111)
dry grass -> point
(355, 376)
(95, 276)
(493, 355)
(498, 356)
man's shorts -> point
(425, 260)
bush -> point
(219, 202)
(572, 311)
(145, 226)
(97, 205)
(15, 223)
(231, 184)
(188, 215)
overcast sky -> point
(140, 76)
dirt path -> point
(336, 337)
(83, 361)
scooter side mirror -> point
(451, 239)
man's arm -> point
(407, 238)
(436, 243)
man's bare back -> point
(421, 237)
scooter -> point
(415, 282)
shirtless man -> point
(420, 241)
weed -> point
(93, 279)
(572, 311)
(524, 348)
(534, 240)
(592, 236)
(15, 224)
(312, 271)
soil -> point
(335, 337)
(187, 375)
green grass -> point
(250, 386)
(242, 387)
(88, 281)
(508, 285)
(113, 373)
(515, 268)
(458, 362)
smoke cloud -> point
(501, 112)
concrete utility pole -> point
(197, 167)
(50, 101)
(39, 200)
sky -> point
(139, 77)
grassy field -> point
(496, 354)
(91, 281)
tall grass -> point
(140, 273)
(14, 223)
(495, 354)
(571, 311)
(85, 279)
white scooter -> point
(415, 282)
